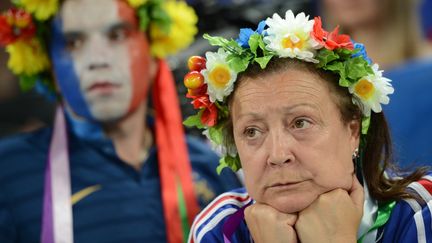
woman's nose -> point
(280, 150)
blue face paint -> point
(64, 71)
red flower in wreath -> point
(330, 40)
(210, 110)
(209, 116)
(16, 24)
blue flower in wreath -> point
(245, 34)
(361, 52)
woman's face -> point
(101, 59)
(354, 13)
(292, 143)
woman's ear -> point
(354, 127)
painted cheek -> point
(138, 52)
(139, 57)
(64, 71)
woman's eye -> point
(251, 132)
(301, 124)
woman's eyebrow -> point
(252, 115)
(285, 110)
(289, 109)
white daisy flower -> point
(290, 37)
(218, 76)
(372, 91)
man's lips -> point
(102, 86)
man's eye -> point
(301, 124)
(118, 34)
(74, 43)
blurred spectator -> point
(391, 32)
(390, 29)
(109, 170)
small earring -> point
(356, 154)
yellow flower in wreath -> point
(27, 57)
(136, 3)
(42, 9)
(181, 31)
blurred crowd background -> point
(26, 111)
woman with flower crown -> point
(109, 170)
(299, 109)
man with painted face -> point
(115, 167)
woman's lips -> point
(284, 185)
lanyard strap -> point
(383, 215)
(57, 221)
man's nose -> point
(97, 53)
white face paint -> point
(97, 39)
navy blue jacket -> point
(127, 205)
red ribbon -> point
(174, 165)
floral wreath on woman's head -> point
(211, 79)
(171, 25)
